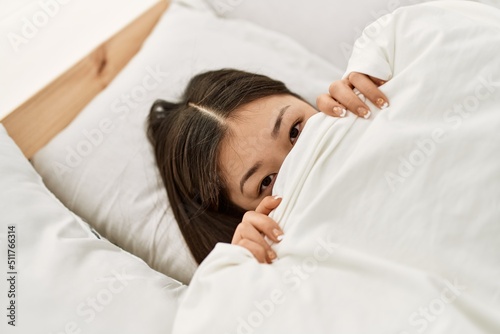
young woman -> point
(219, 151)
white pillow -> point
(327, 28)
(102, 166)
(65, 279)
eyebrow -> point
(249, 173)
(274, 135)
(277, 124)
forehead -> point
(249, 136)
(259, 114)
(248, 132)
(252, 124)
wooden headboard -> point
(44, 115)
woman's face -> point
(261, 134)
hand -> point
(254, 226)
(342, 96)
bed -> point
(99, 250)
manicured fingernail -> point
(278, 234)
(363, 112)
(278, 197)
(271, 254)
(339, 112)
(382, 103)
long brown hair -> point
(186, 137)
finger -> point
(369, 89)
(249, 232)
(343, 93)
(268, 204)
(329, 106)
(264, 224)
(258, 252)
(377, 81)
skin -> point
(251, 142)
(262, 135)
(341, 95)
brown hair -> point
(186, 137)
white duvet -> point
(392, 225)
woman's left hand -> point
(342, 96)
(254, 226)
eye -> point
(294, 133)
(266, 182)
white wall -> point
(40, 40)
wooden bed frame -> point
(45, 114)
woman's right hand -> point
(342, 96)
(255, 225)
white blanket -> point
(392, 225)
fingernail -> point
(271, 254)
(363, 112)
(339, 112)
(278, 234)
(382, 103)
(278, 197)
